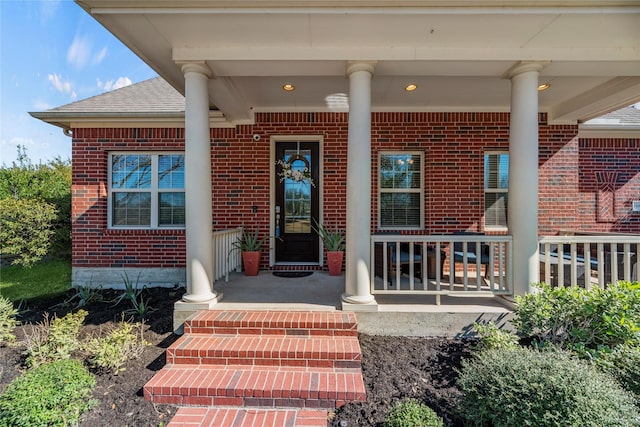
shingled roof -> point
(627, 116)
(149, 96)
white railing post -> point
(402, 264)
(606, 262)
(226, 258)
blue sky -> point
(53, 53)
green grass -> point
(44, 279)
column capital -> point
(524, 67)
(200, 67)
(353, 66)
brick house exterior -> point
(456, 86)
(453, 201)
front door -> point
(297, 201)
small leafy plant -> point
(582, 320)
(54, 339)
(8, 320)
(83, 295)
(333, 240)
(132, 290)
(53, 394)
(139, 308)
(123, 342)
(411, 413)
(249, 241)
(492, 337)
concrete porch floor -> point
(406, 315)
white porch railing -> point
(225, 259)
(417, 265)
(588, 261)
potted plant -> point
(333, 241)
(250, 245)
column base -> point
(183, 309)
(197, 298)
(358, 303)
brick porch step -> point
(266, 350)
(261, 368)
(309, 323)
(233, 417)
(257, 386)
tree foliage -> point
(30, 193)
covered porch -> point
(260, 59)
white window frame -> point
(493, 190)
(419, 191)
(154, 190)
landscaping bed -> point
(576, 358)
(394, 368)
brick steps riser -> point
(272, 323)
(220, 330)
(303, 352)
(300, 363)
(238, 385)
(230, 417)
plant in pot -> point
(250, 246)
(333, 241)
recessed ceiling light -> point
(411, 87)
(288, 87)
(543, 86)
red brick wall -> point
(623, 157)
(453, 143)
(94, 245)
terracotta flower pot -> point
(334, 261)
(251, 261)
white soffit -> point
(455, 51)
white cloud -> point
(98, 57)
(109, 85)
(62, 86)
(79, 52)
(48, 9)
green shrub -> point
(54, 394)
(524, 387)
(51, 183)
(26, 227)
(411, 413)
(122, 343)
(54, 339)
(623, 363)
(491, 336)
(579, 319)
(7, 320)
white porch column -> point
(358, 246)
(523, 175)
(200, 294)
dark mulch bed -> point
(394, 368)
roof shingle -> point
(150, 96)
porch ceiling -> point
(456, 52)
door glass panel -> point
(297, 195)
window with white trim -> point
(146, 190)
(401, 190)
(496, 189)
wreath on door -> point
(297, 174)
